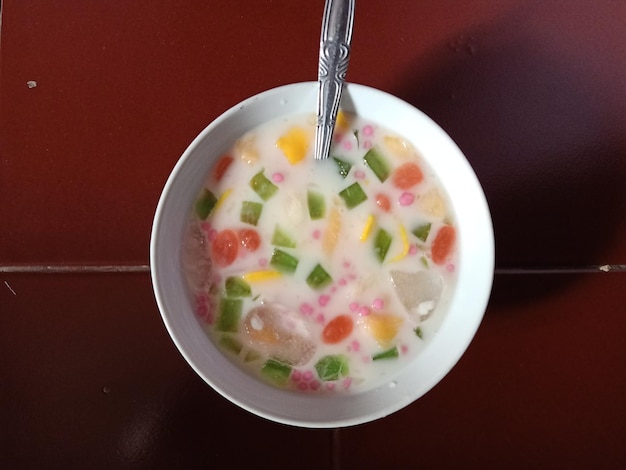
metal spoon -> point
(333, 65)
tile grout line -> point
(335, 449)
(604, 268)
(140, 268)
(86, 269)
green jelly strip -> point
(353, 195)
(391, 353)
(378, 164)
(382, 242)
(229, 314)
(317, 205)
(230, 344)
(276, 371)
(418, 332)
(332, 367)
(318, 278)
(284, 261)
(237, 287)
(250, 212)
(262, 186)
(422, 231)
(281, 238)
(205, 204)
(343, 166)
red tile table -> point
(100, 98)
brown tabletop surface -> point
(99, 98)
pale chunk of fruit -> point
(279, 333)
(433, 203)
(245, 149)
(331, 234)
(398, 146)
(418, 292)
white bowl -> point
(466, 309)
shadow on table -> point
(545, 137)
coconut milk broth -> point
(361, 285)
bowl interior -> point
(467, 306)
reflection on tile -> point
(541, 386)
(90, 377)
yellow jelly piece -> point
(343, 122)
(331, 235)
(221, 199)
(383, 326)
(294, 144)
(399, 146)
(367, 230)
(260, 276)
(405, 245)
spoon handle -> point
(333, 65)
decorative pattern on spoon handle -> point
(333, 65)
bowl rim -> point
(480, 299)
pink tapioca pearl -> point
(323, 300)
(302, 386)
(347, 264)
(367, 144)
(359, 174)
(347, 145)
(307, 376)
(404, 349)
(364, 311)
(412, 249)
(346, 383)
(330, 385)
(205, 226)
(212, 234)
(342, 282)
(356, 346)
(306, 308)
(378, 304)
(314, 385)
(320, 318)
(317, 234)
(450, 268)
(354, 307)
(278, 177)
(296, 375)
(406, 199)
(368, 130)
(202, 310)
(263, 262)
